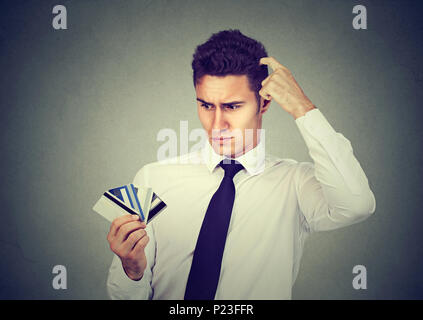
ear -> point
(265, 104)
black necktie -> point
(207, 259)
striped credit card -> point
(132, 199)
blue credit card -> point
(127, 194)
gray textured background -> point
(81, 108)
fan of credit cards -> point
(132, 199)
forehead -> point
(223, 88)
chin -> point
(226, 151)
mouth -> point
(221, 138)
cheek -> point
(244, 119)
(204, 118)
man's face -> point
(227, 109)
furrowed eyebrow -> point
(198, 99)
(224, 104)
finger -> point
(116, 223)
(272, 63)
(140, 245)
(265, 94)
(124, 231)
(132, 240)
(266, 81)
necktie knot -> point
(231, 167)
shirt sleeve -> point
(119, 285)
(333, 192)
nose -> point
(219, 121)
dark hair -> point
(229, 52)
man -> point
(236, 229)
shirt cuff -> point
(315, 123)
(120, 286)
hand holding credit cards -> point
(129, 208)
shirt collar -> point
(253, 160)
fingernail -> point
(135, 217)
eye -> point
(206, 106)
(232, 107)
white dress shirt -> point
(278, 203)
